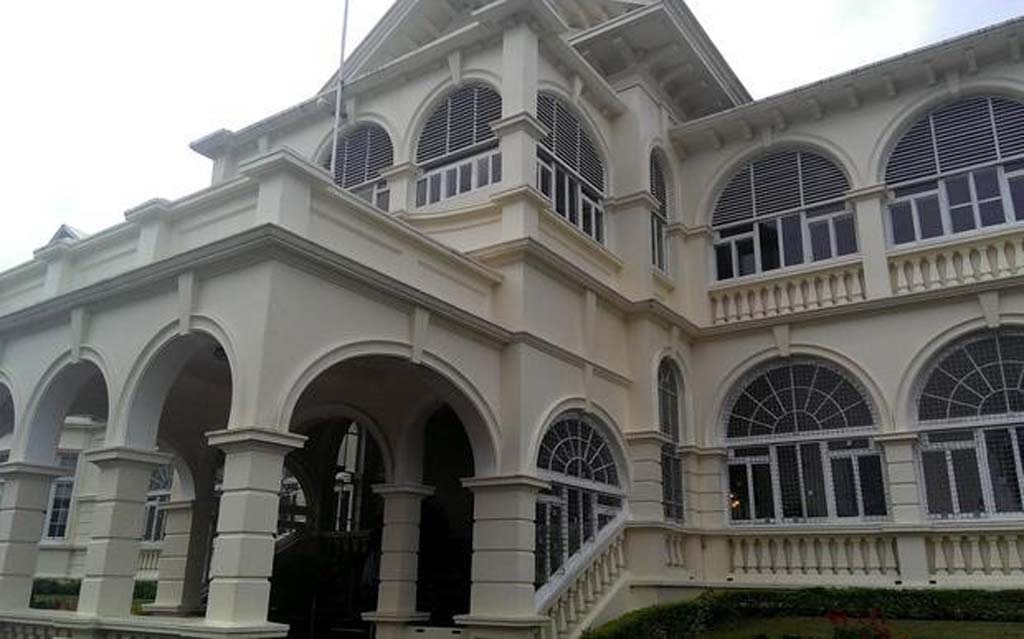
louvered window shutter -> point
(658, 189)
(462, 121)
(955, 136)
(569, 142)
(362, 154)
(777, 182)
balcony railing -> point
(952, 264)
(814, 558)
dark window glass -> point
(496, 167)
(1017, 195)
(929, 218)
(936, 479)
(736, 230)
(465, 177)
(451, 182)
(789, 482)
(845, 488)
(968, 481)
(483, 174)
(821, 241)
(986, 183)
(764, 502)
(745, 256)
(902, 223)
(793, 239)
(738, 492)
(1002, 468)
(575, 520)
(846, 235)
(872, 490)
(574, 206)
(916, 188)
(560, 206)
(962, 218)
(435, 188)
(991, 212)
(958, 191)
(421, 192)
(814, 480)
(768, 233)
(555, 546)
(545, 181)
(723, 261)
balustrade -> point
(812, 557)
(947, 265)
(976, 555)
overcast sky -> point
(101, 97)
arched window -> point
(570, 172)
(799, 433)
(782, 209)
(671, 462)
(457, 149)
(159, 493)
(361, 154)
(971, 401)
(659, 217)
(958, 169)
(584, 496)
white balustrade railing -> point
(568, 605)
(675, 550)
(947, 264)
(149, 559)
(809, 557)
(787, 293)
(976, 554)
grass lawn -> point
(819, 628)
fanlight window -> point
(659, 217)
(671, 461)
(797, 447)
(958, 169)
(457, 148)
(570, 172)
(782, 209)
(584, 496)
(360, 156)
(976, 468)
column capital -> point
(407, 490)
(124, 455)
(523, 121)
(906, 437)
(239, 439)
(873, 191)
(638, 200)
(400, 170)
(649, 436)
(499, 482)
(17, 469)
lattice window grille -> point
(459, 126)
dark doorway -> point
(446, 525)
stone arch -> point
(433, 99)
(657, 152)
(909, 114)
(687, 432)
(589, 126)
(477, 416)
(347, 410)
(752, 365)
(155, 371)
(36, 439)
(822, 146)
(322, 151)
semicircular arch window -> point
(359, 157)
(958, 169)
(800, 434)
(659, 217)
(584, 495)
(784, 208)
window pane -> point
(1002, 468)
(560, 204)
(872, 489)
(845, 488)
(555, 552)
(962, 218)
(764, 502)
(929, 218)
(789, 482)
(991, 212)
(846, 235)
(435, 187)
(451, 182)
(968, 481)
(723, 261)
(821, 241)
(421, 192)
(902, 223)
(496, 167)
(575, 519)
(957, 190)
(465, 177)
(483, 173)
(768, 233)
(1017, 195)
(745, 256)
(574, 197)
(793, 239)
(814, 480)
(936, 480)
(739, 499)
(986, 183)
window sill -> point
(787, 273)
(663, 279)
(575, 238)
(948, 241)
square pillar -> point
(112, 555)
(23, 502)
(646, 498)
(907, 504)
(172, 570)
(243, 551)
(502, 596)
(399, 560)
(870, 216)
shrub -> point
(145, 591)
(56, 587)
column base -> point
(393, 625)
(494, 627)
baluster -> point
(785, 298)
(771, 305)
(957, 564)
(973, 555)
(798, 296)
(857, 285)
(818, 550)
(742, 307)
(738, 563)
(859, 563)
(829, 556)
(812, 299)
(929, 275)
(967, 274)
(773, 555)
(984, 264)
(755, 551)
(874, 561)
(843, 285)
(805, 553)
(887, 560)
(1002, 266)
(1013, 554)
(918, 275)
(989, 552)
(826, 292)
(943, 556)
(758, 303)
(1014, 254)
(843, 555)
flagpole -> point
(338, 95)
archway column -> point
(111, 559)
(707, 507)
(23, 501)
(180, 571)
(504, 539)
(243, 553)
(400, 542)
(908, 507)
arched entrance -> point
(383, 434)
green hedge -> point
(689, 619)
(56, 587)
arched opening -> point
(359, 156)
(375, 420)
(670, 391)
(660, 215)
(6, 422)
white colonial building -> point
(575, 327)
